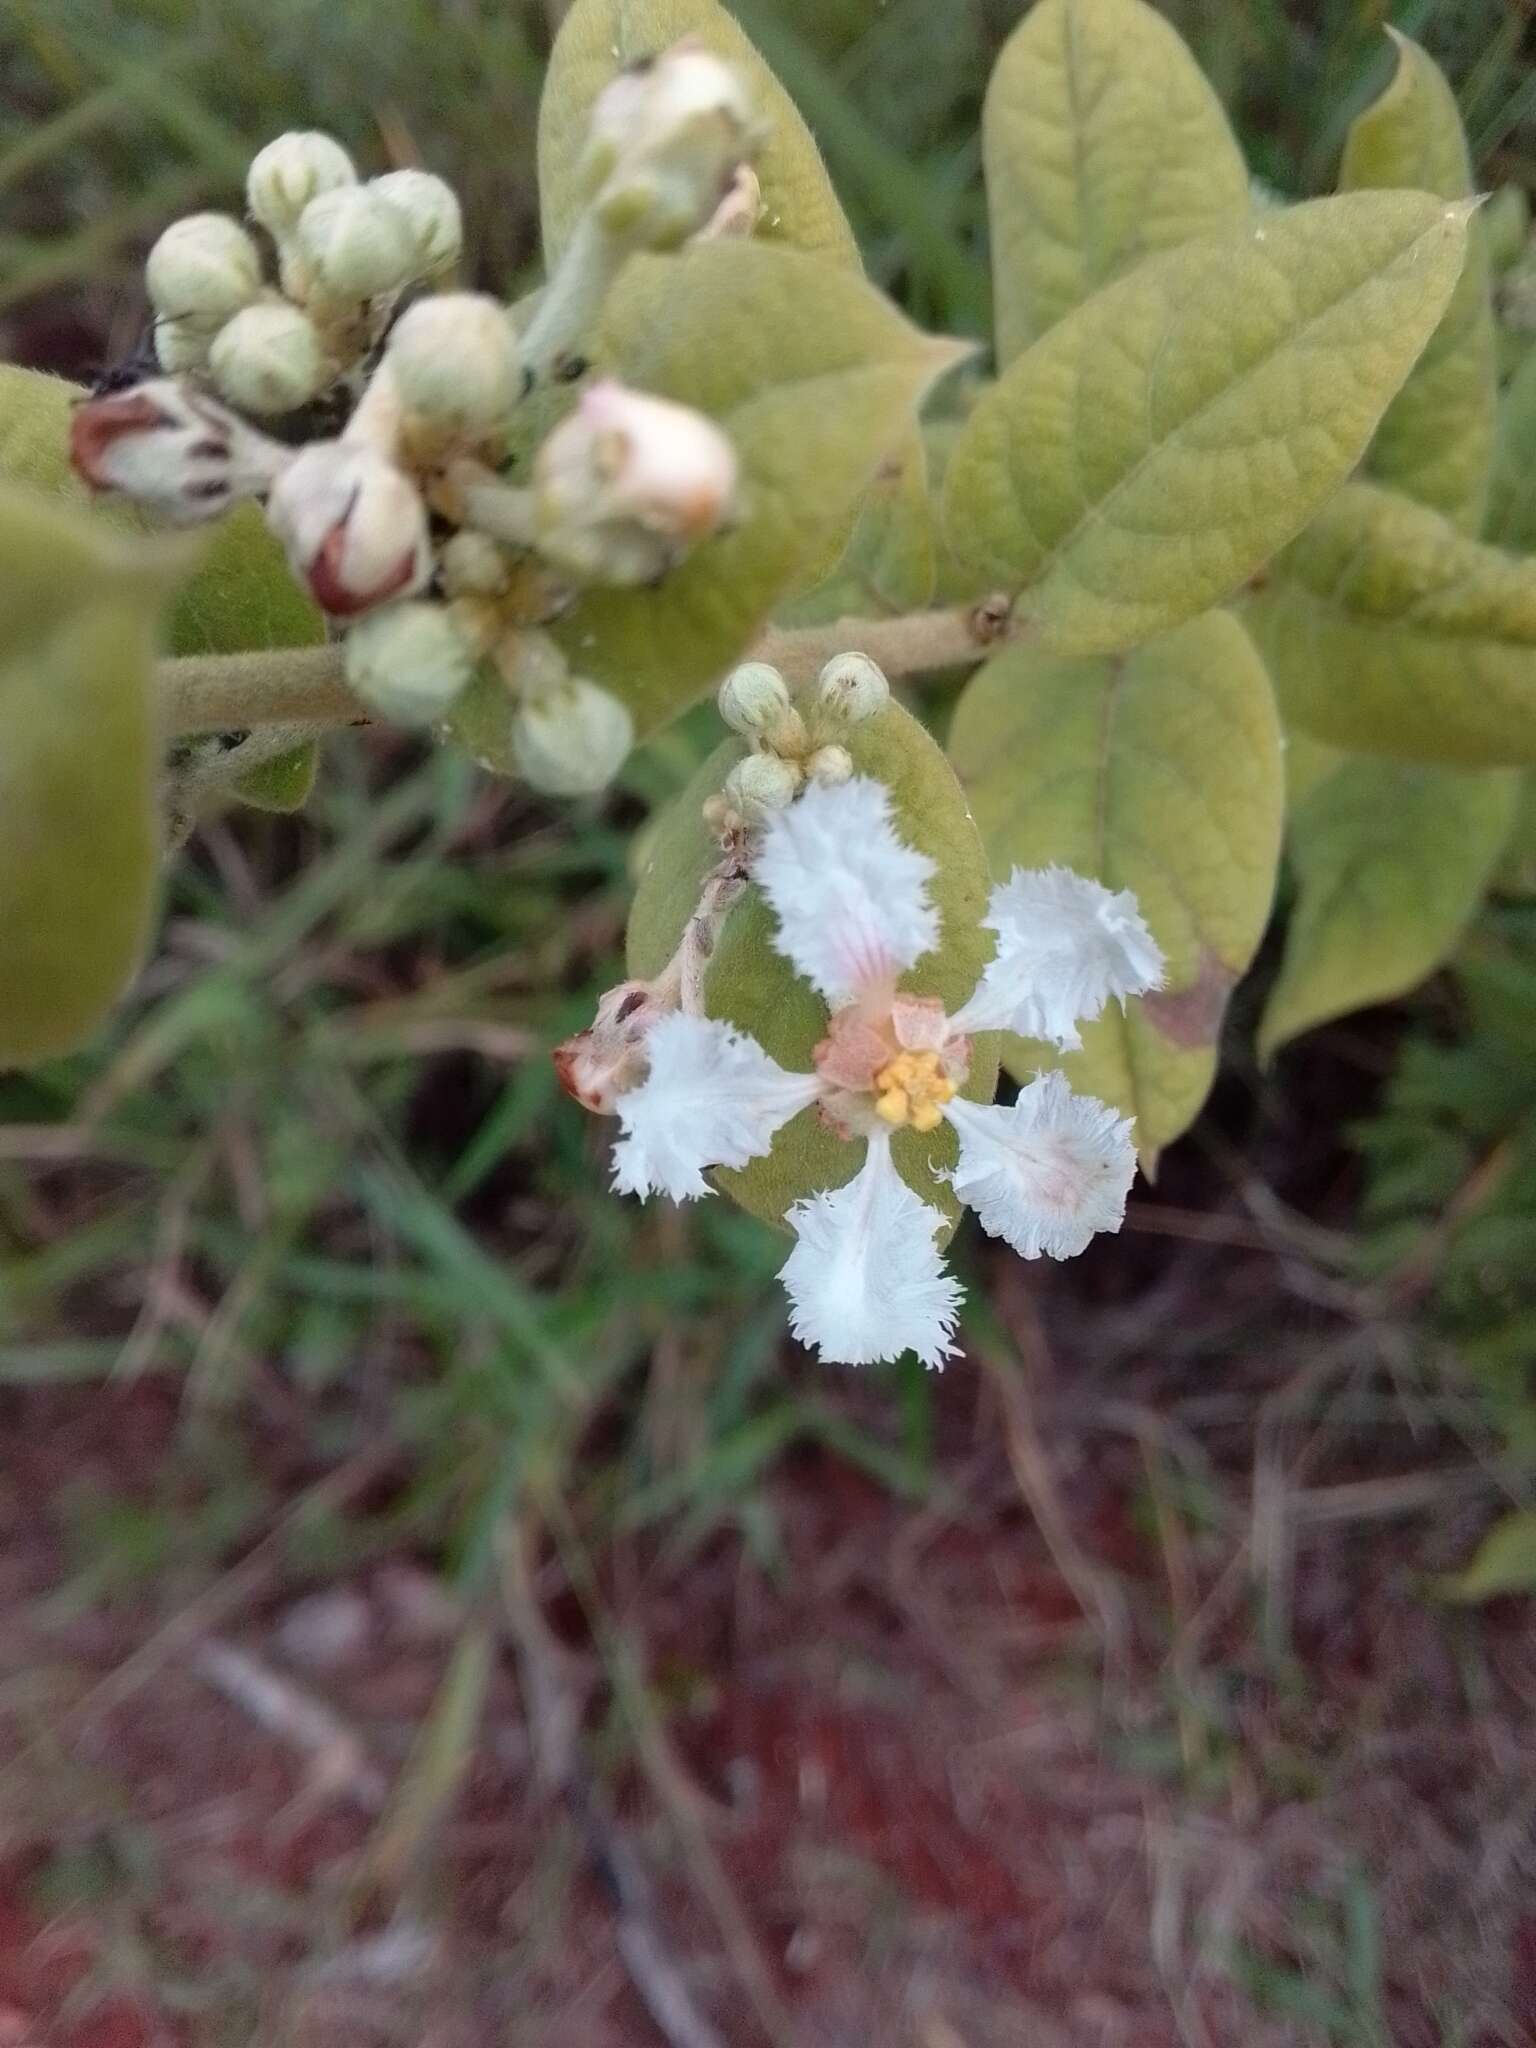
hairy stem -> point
(305, 685)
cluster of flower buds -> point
(790, 748)
(398, 521)
(851, 902)
(345, 252)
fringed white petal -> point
(1046, 1173)
(1065, 946)
(866, 1281)
(850, 898)
(711, 1097)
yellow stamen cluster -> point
(913, 1090)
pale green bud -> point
(573, 741)
(290, 172)
(852, 688)
(408, 662)
(753, 698)
(472, 565)
(203, 269)
(181, 345)
(762, 783)
(455, 364)
(268, 359)
(355, 244)
(431, 207)
(830, 766)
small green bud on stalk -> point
(202, 270)
(409, 662)
(290, 172)
(573, 740)
(268, 359)
(852, 688)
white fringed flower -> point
(1065, 947)
(850, 898)
(712, 1097)
(866, 1280)
(1046, 1173)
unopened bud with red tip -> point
(353, 526)
(172, 450)
(572, 740)
(351, 244)
(202, 270)
(454, 361)
(409, 662)
(628, 483)
(290, 172)
(431, 209)
(269, 359)
(603, 1062)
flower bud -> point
(472, 565)
(753, 698)
(762, 783)
(431, 209)
(172, 450)
(665, 139)
(268, 359)
(830, 766)
(290, 172)
(353, 527)
(573, 741)
(627, 483)
(409, 662)
(603, 1062)
(203, 269)
(455, 362)
(852, 688)
(180, 346)
(354, 244)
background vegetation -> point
(366, 1462)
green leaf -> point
(1308, 761)
(241, 596)
(283, 784)
(1157, 445)
(756, 989)
(1391, 859)
(1506, 223)
(1505, 1562)
(816, 378)
(1389, 631)
(1103, 142)
(1511, 521)
(1436, 441)
(894, 550)
(1517, 863)
(598, 38)
(1158, 771)
(78, 827)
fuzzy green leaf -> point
(756, 989)
(1504, 1563)
(78, 826)
(242, 595)
(816, 378)
(598, 38)
(1391, 859)
(1516, 874)
(1158, 771)
(894, 551)
(1511, 521)
(282, 785)
(1103, 142)
(1157, 445)
(1389, 631)
(1436, 441)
